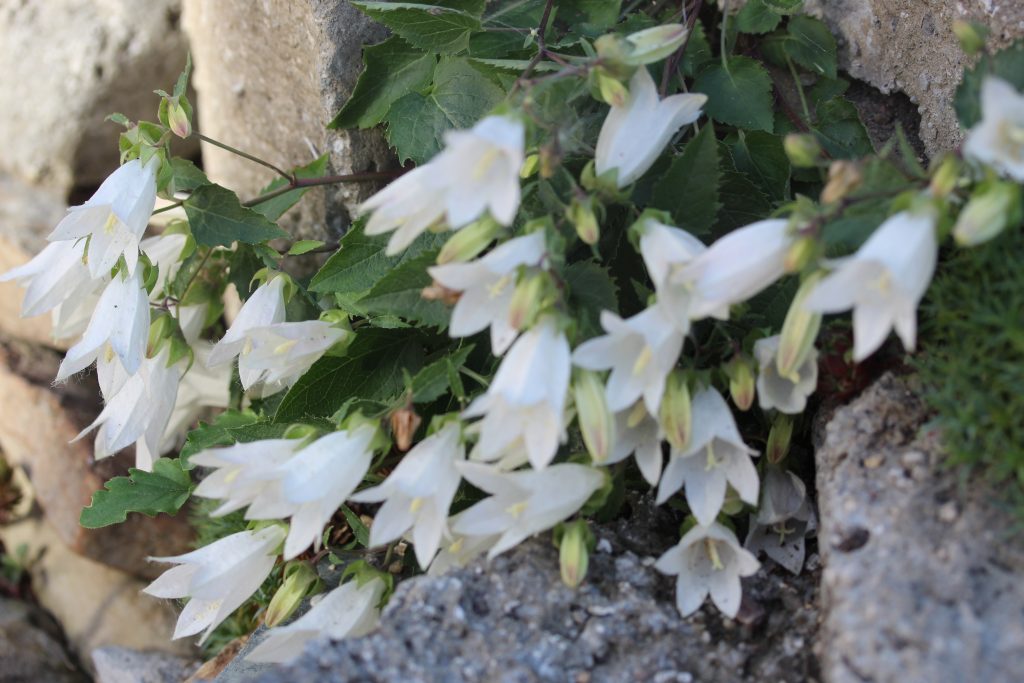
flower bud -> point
(529, 167)
(581, 214)
(988, 213)
(801, 252)
(574, 547)
(299, 578)
(946, 177)
(597, 424)
(609, 89)
(799, 330)
(802, 149)
(742, 380)
(675, 415)
(843, 178)
(779, 438)
(550, 159)
(404, 423)
(529, 299)
(179, 117)
(971, 36)
(654, 44)
(435, 291)
(468, 242)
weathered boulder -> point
(909, 46)
(122, 665)
(923, 578)
(67, 64)
(270, 76)
(32, 647)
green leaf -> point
(393, 69)
(1007, 64)
(360, 262)
(591, 290)
(439, 27)
(784, 6)
(359, 530)
(165, 489)
(600, 14)
(398, 293)
(697, 52)
(762, 158)
(812, 45)
(757, 17)
(371, 370)
(181, 175)
(689, 189)
(434, 380)
(740, 96)
(742, 201)
(840, 131)
(230, 427)
(275, 208)
(461, 95)
(182, 83)
(304, 247)
(217, 218)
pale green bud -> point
(843, 178)
(179, 119)
(610, 89)
(801, 252)
(675, 415)
(299, 579)
(468, 242)
(581, 214)
(654, 44)
(530, 165)
(742, 381)
(574, 546)
(597, 424)
(529, 299)
(946, 177)
(971, 36)
(779, 438)
(802, 149)
(301, 431)
(988, 213)
(799, 330)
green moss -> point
(972, 358)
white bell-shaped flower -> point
(418, 493)
(408, 206)
(524, 502)
(348, 611)
(640, 351)
(278, 355)
(883, 282)
(716, 457)
(458, 550)
(56, 276)
(164, 252)
(247, 475)
(121, 319)
(634, 135)
(217, 578)
(525, 404)
(266, 306)
(114, 218)
(998, 139)
(637, 433)
(487, 286)
(708, 561)
(782, 393)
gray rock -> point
(67, 64)
(923, 580)
(512, 620)
(909, 46)
(32, 647)
(122, 665)
(270, 76)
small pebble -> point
(948, 512)
(874, 461)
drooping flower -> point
(633, 135)
(708, 561)
(666, 251)
(278, 354)
(348, 611)
(57, 278)
(998, 139)
(418, 493)
(738, 266)
(487, 286)
(524, 502)
(716, 457)
(524, 405)
(638, 434)
(640, 351)
(776, 391)
(883, 282)
(217, 578)
(247, 475)
(114, 218)
(408, 206)
(266, 306)
(164, 252)
(783, 520)
(121, 319)
(458, 550)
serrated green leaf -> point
(359, 530)
(434, 380)
(372, 370)
(840, 131)
(784, 6)
(762, 158)
(360, 262)
(742, 202)
(811, 45)
(217, 218)
(1007, 64)
(275, 208)
(398, 293)
(740, 95)
(393, 69)
(182, 83)
(437, 27)
(415, 126)
(304, 247)
(181, 175)
(230, 427)
(599, 14)
(697, 52)
(591, 290)
(689, 189)
(165, 490)
(757, 17)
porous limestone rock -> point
(32, 647)
(123, 665)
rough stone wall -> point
(909, 46)
(270, 76)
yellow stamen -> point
(415, 505)
(456, 546)
(643, 360)
(712, 547)
(636, 415)
(111, 225)
(516, 509)
(484, 163)
(495, 290)
(285, 347)
(108, 353)
(712, 463)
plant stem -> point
(244, 155)
(298, 183)
(541, 46)
(192, 281)
(169, 207)
(799, 89)
(721, 39)
(672, 64)
(474, 376)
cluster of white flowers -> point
(625, 389)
